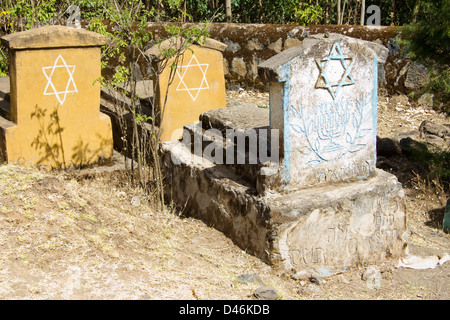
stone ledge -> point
(333, 228)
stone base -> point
(326, 229)
(330, 229)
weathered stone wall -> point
(248, 45)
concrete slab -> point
(240, 117)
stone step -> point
(240, 117)
(181, 154)
(236, 137)
(216, 148)
(5, 107)
(144, 91)
(4, 88)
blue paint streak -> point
(286, 175)
(374, 105)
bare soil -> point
(64, 235)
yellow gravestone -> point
(198, 85)
(54, 118)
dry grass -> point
(62, 237)
(70, 239)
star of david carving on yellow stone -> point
(60, 68)
(192, 77)
(325, 80)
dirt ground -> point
(63, 236)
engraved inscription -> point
(342, 241)
(358, 170)
(308, 256)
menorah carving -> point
(332, 124)
(332, 130)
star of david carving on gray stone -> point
(335, 64)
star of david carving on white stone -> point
(59, 65)
(325, 80)
(186, 83)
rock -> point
(254, 44)
(301, 275)
(419, 263)
(254, 67)
(386, 165)
(428, 127)
(410, 146)
(387, 147)
(137, 73)
(369, 272)
(232, 46)
(135, 201)
(407, 134)
(401, 73)
(266, 293)
(341, 278)
(400, 99)
(444, 259)
(416, 76)
(446, 221)
(226, 68)
(381, 74)
(426, 100)
(293, 32)
(235, 87)
(121, 194)
(372, 277)
(435, 140)
(315, 278)
(250, 278)
(267, 176)
(238, 66)
(378, 41)
(394, 47)
(213, 44)
(291, 42)
(276, 46)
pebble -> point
(266, 293)
(315, 278)
(135, 201)
(302, 274)
(372, 277)
(343, 279)
(250, 278)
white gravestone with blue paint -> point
(337, 209)
(323, 99)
